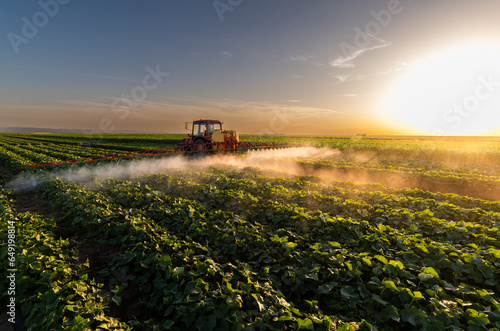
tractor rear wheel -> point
(201, 146)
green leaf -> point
(378, 299)
(79, 320)
(476, 318)
(117, 299)
(204, 323)
(367, 261)
(305, 324)
(191, 289)
(191, 211)
(285, 318)
(415, 317)
(494, 252)
(431, 271)
(365, 326)
(259, 302)
(494, 316)
(390, 285)
(422, 248)
(424, 277)
(178, 271)
(381, 258)
(327, 288)
(389, 313)
(70, 308)
(348, 293)
(335, 244)
(289, 245)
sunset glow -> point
(315, 68)
(449, 91)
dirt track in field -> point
(35, 203)
(98, 255)
(6, 172)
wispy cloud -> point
(300, 58)
(167, 115)
(225, 54)
(342, 78)
(311, 59)
(346, 77)
(399, 67)
(346, 60)
(235, 106)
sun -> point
(452, 91)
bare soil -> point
(34, 202)
(5, 325)
(5, 171)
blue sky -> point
(279, 66)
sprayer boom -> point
(206, 136)
(201, 149)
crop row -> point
(63, 152)
(370, 193)
(453, 176)
(134, 141)
(53, 290)
(233, 256)
(12, 160)
(432, 220)
(180, 279)
(15, 155)
(448, 206)
(373, 272)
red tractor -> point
(208, 135)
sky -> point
(317, 67)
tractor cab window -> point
(212, 127)
(199, 129)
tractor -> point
(206, 136)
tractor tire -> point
(200, 147)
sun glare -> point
(454, 91)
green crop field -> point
(348, 233)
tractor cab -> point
(205, 128)
(207, 135)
